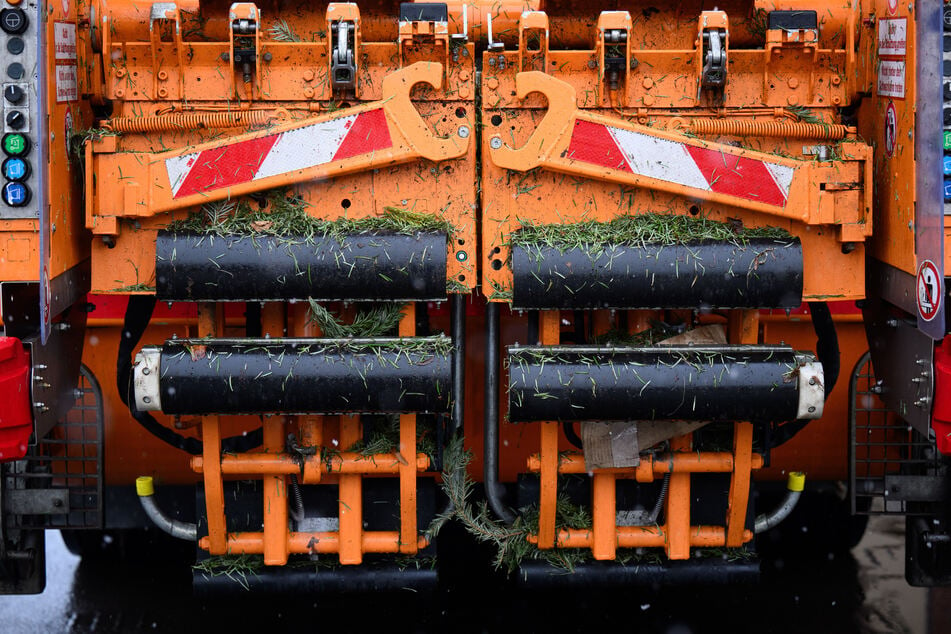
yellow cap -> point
(144, 487)
(797, 481)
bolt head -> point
(463, 131)
(495, 142)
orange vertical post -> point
(604, 510)
(550, 334)
(208, 326)
(407, 450)
(273, 322)
(677, 524)
(351, 499)
(745, 327)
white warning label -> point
(67, 83)
(891, 79)
(64, 40)
(892, 34)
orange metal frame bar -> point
(277, 542)
(139, 184)
(548, 147)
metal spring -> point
(297, 508)
(799, 130)
(194, 121)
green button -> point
(947, 139)
(14, 144)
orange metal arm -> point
(576, 142)
(378, 134)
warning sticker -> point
(890, 129)
(891, 79)
(892, 34)
(64, 40)
(67, 83)
(929, 290)
(892, 7)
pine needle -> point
(281, 31)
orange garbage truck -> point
(596, 283)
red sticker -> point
(892, 7)
(929, 290)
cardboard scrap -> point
(615, 445)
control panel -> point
(20, 44)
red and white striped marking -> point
(679, 163)
(280, 153)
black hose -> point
(137, 317)
(569, 428)
(827, 351)
(490, 471)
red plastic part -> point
(941, 416)
(16, 416)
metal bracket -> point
(713, 46)
(533, 41)
(36, 501)
(343, 26)
(245, 36)
(614, 51)
(164, 18)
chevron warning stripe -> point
(679, 163)
(280, 153)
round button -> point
(15, 144)
(15, 46)
(15, 71)
(13, 21)
(14, 94)
(16, 120)
(16, 169)
(16, 194)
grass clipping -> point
(286, 216)
(594, 237)
(511, 542)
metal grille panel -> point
(887, 456)
(59, 482)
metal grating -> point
(887, 456)
(62, 472)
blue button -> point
(947, 165)
(16, 169)
(16, 194)
(947, 191)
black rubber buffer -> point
(609, 574)
(388, 267)
(318, 376)
(676, 383)
(763, 273)
(284, 581)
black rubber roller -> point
(384, 267)
(295, 376)
(762, 273)
(753, 383)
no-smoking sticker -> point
(890, 128)
(929, 290)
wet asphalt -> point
(862, 592)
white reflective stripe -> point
(178, 168)
(783, 176)
(659, 158)
(812, 393)
(305, 147)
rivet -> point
(495, 142)
(463, 131)
(462, 256)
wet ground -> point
(863, 592)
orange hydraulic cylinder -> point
(703, 462)
(308, 543)
(285, 464)
(645, 537)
